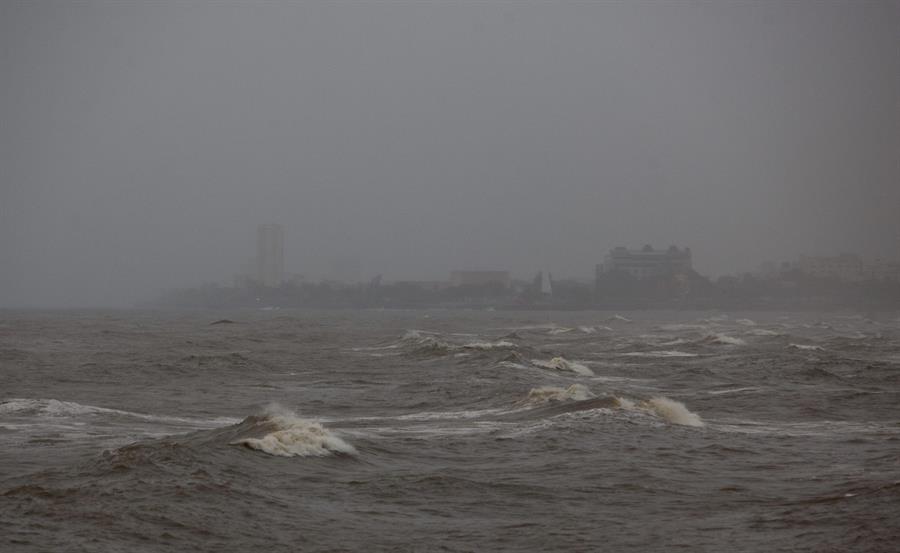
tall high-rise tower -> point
(270, 255)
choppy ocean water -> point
(449, 431)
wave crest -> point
(292, 436)
(673, 411)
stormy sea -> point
(449, 431)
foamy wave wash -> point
(292, 436)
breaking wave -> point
(673, 411)
(564, 365)
(291, 436)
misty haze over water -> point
(142, 143)
(456, 276)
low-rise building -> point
(647, 263)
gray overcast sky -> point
(141, 143)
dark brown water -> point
(449, 431)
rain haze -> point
(449, 276)
(141, 144)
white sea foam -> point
(501, 344)
(296, 437)
(51, 407)
(661, 353)
(745, 322)
(545, 394)
(562, 364)
(587, 329)
(627, 404)
(559, 330)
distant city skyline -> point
(140, 140)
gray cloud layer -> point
(142, 143)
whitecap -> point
(673, 411)
(501, 344)
(562, 364)
(296, 437)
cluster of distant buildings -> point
(268, 266)
(845, 267)
(642, 265)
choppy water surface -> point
(448, 430)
